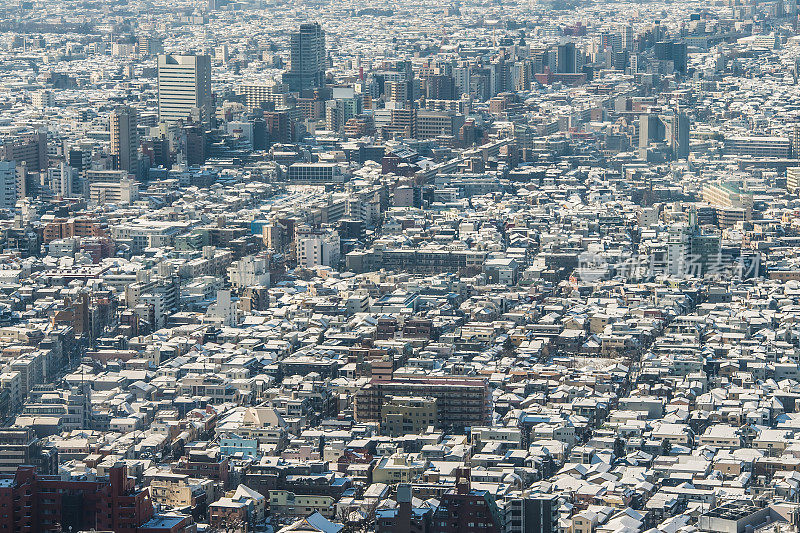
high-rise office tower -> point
(306, 59)
(399, 92)
(679, 55)
(440, 87)
(80, 158)
(346, 104)
(125, 139)
(676, 128)
(619, 60)
(651, 129)
(616, 42)
(267, 92)
(671, 128)
(61, 180)
(672, 51)
(796, 141)
(29, 148)
(566, 58)
(8, 184)
(184, 87)
(633, 63)
(150, 45)
(626, 32)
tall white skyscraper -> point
(184, 85)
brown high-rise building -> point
(75, 314)
(405, 518)
(463, 510)
(461, 401)
(34, 503)
(61, 228)
(125, 139)
(21, 446)
(280, 128)
(32, 149)
(438, 87)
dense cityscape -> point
(477, 266)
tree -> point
(508, 346)
(666, 447)
(619, 448)
(366, 521)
